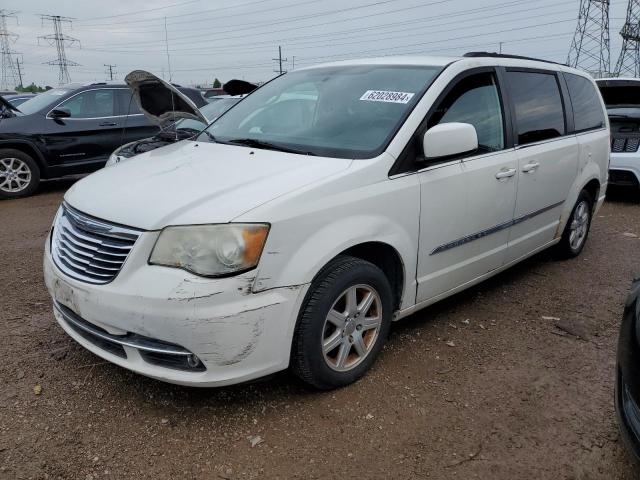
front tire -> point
(19, 174)
(343, 323)
(576, 231)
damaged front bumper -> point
(173, 326)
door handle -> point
(505, 173)
(530, 167)
(107, 124)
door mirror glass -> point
(60, 113)
(448, 140)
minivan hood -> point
(160, 101)
(195, 183)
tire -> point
(24, 172)
(580, 219)
(352, 347)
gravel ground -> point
(482, 385)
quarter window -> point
(91, 104)
(538, 106)
(475, 100)
(587, 108)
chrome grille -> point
(89, 249)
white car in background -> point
(622, 98)
(178, 119)
(331, 201)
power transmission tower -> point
(590, 48)
(280, 60)
(9, 75)
(629, 60)
(111, 72)
(60, 40)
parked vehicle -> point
(622, 98)
(66, 131)
(627, 379)
(329, 202)
(177, 121)
(18, 99)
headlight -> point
(113, 159)
(210, 250)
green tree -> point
(216, 83)
(33, 88)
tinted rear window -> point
(538, 106)
(587, 109)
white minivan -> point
(330, 202)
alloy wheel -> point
(579, 225)
(352, 327)
(15, 175)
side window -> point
(91, 104)
(587, 108)
(475, 100)
(538, 106)
(126, 103)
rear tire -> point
(577, 228)
(343, 324)
(19, 174)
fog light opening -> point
(193, 361)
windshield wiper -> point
(252, 142)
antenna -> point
(629, 60)
(590, 48)
(9, 75)
(59, 39)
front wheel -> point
(19, 174)
(576, 231)
(343, 325)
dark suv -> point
(69, 130)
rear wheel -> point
(343, 325)
(576, 231)
(19, 174)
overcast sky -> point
(212, 38)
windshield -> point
(43, 100)
(346, 112)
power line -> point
(60, 40)
(140, 11)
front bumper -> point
(624, 169)
(237, 335)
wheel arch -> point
(30, 149)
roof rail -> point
(506, 55)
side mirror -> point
(60, 113)
(448, 140)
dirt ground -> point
(515, 397)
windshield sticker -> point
(386, 96)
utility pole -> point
(629, 60)
(293, 63)
(59, 39)
(500, 47)
(590, 47)
(8, 74)
(166, 43)
(280, 60)
(110, 67)
(19, 71)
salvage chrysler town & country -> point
(331, 201)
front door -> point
(547, 159)
(88, 136)
(467, 204)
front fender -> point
(316, 227)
